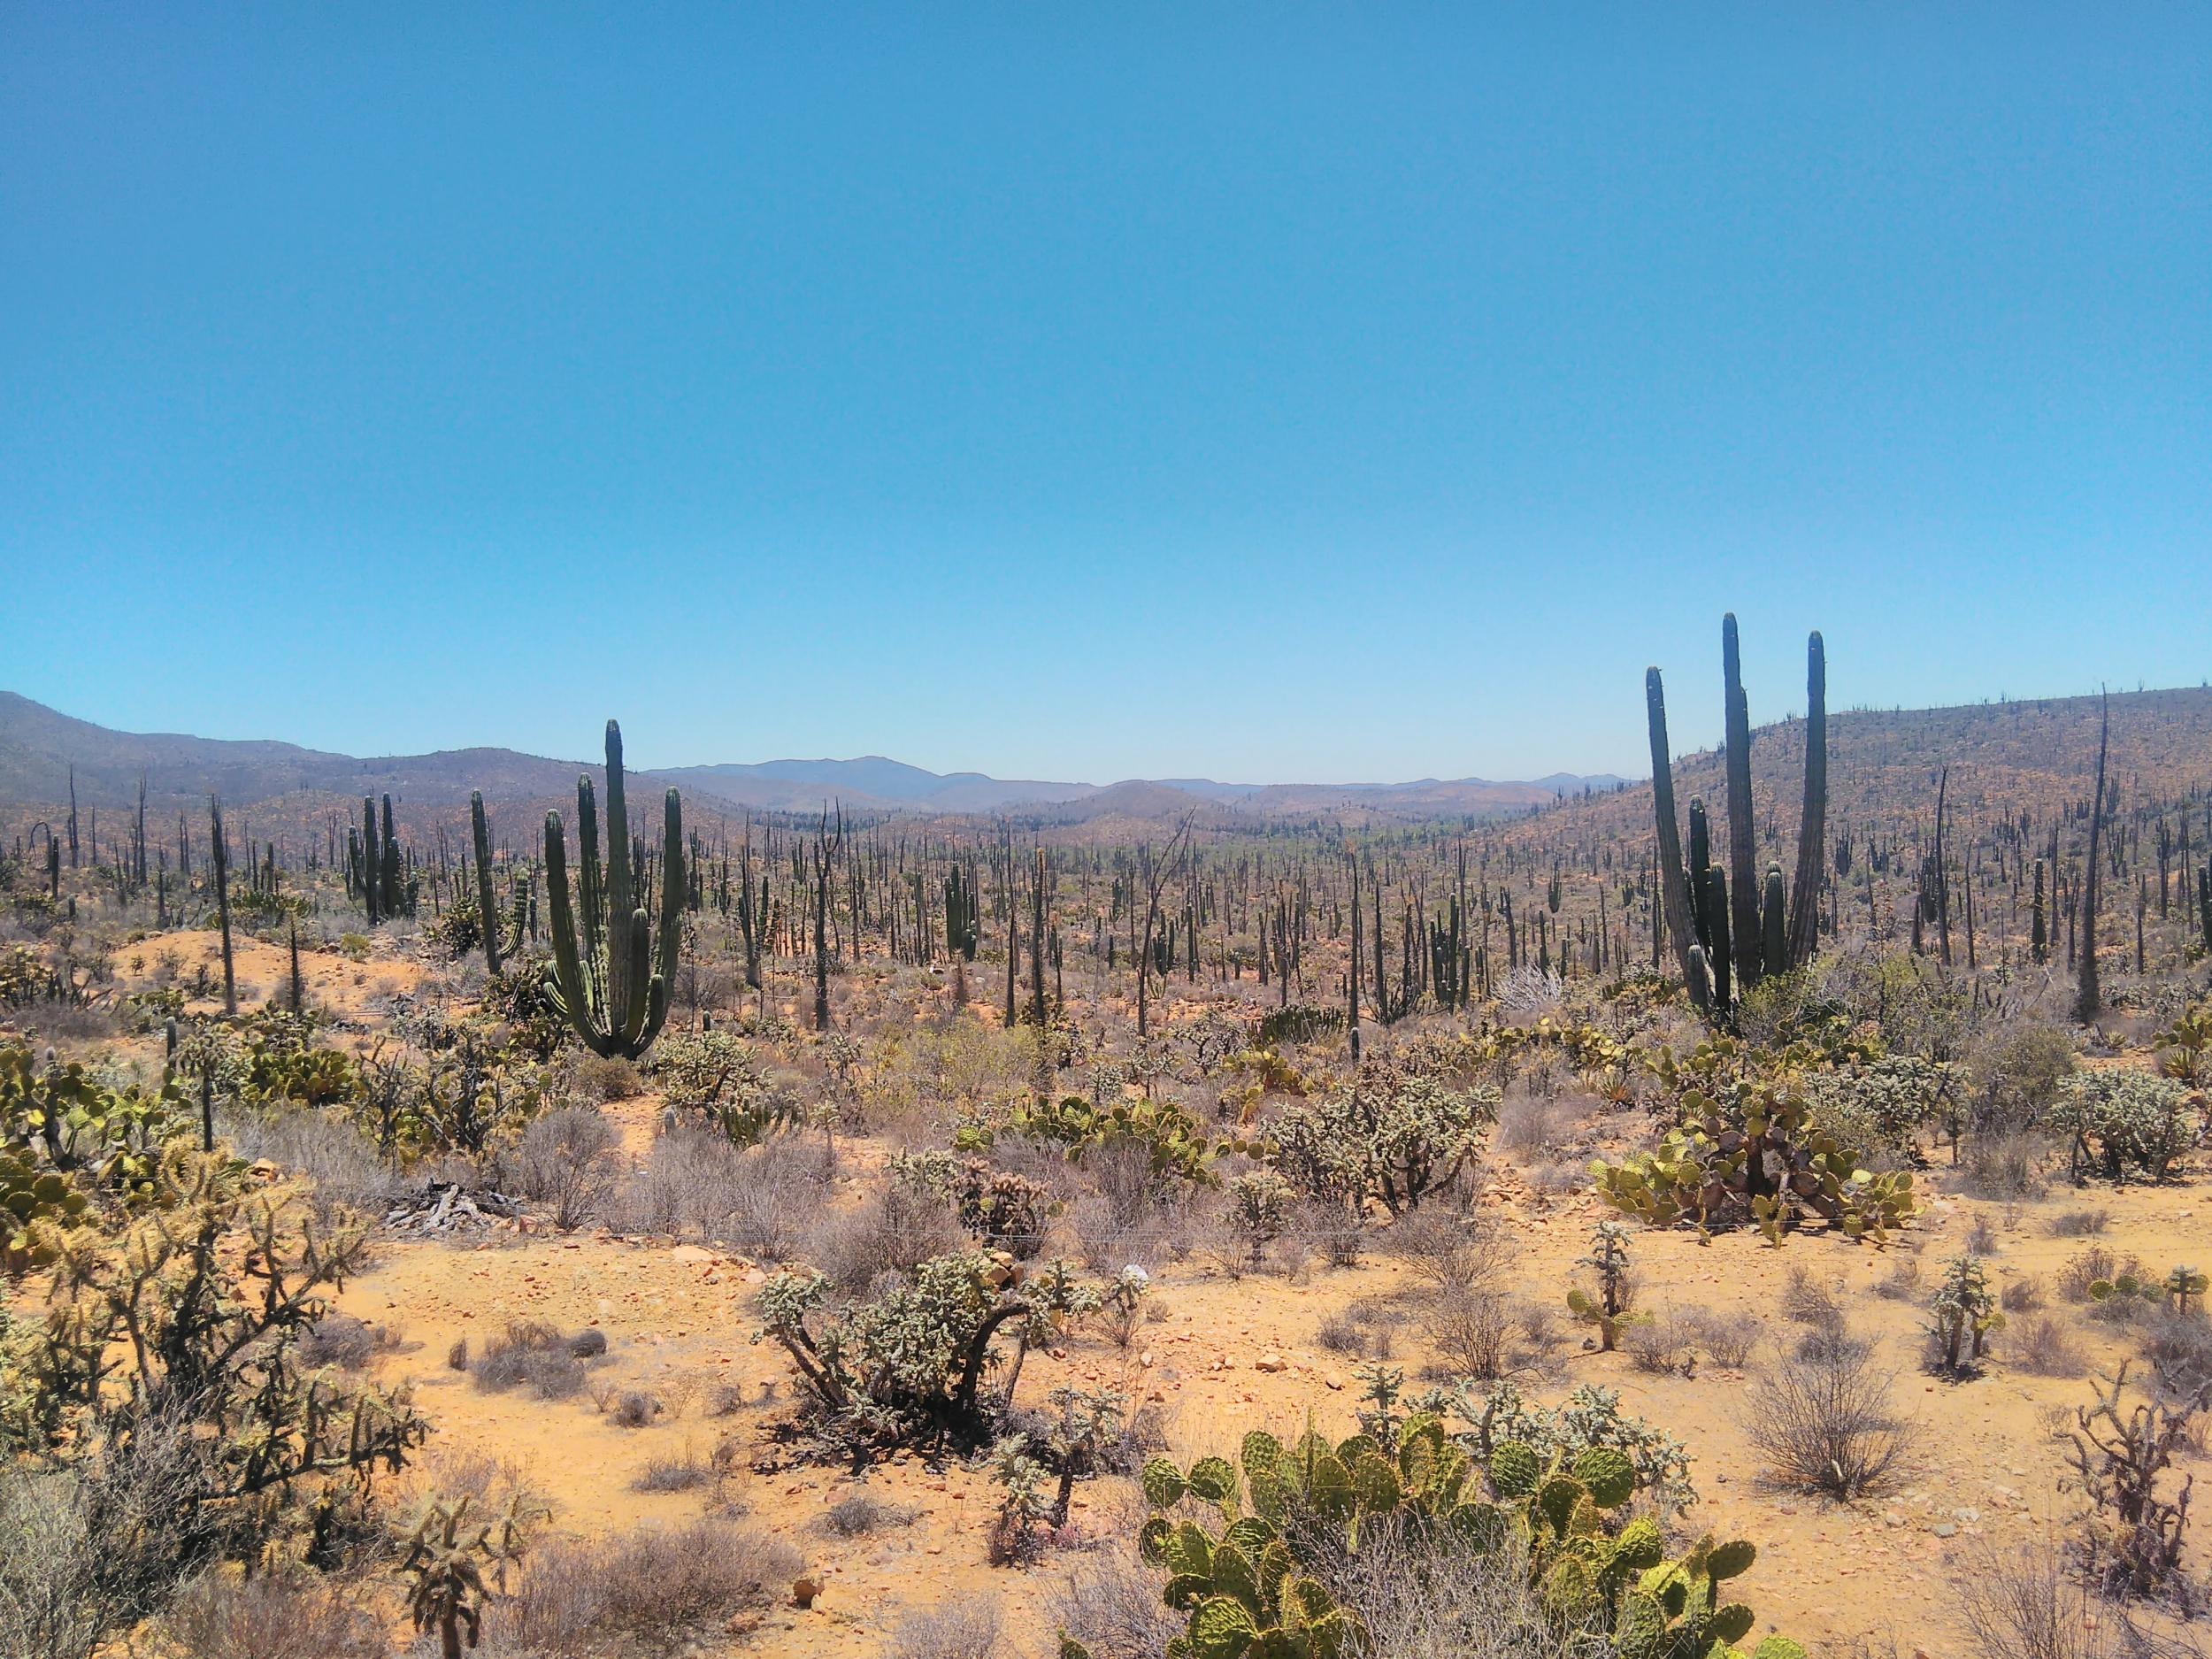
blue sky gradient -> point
(1264, 393)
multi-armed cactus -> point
(612, 982)
(962, 932)
(1763, 929)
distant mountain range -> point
(41, 749)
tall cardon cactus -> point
(612, 981)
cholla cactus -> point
(911, 1363)
(2183, 1285)
(1259, 1204)
(1608, 1308)
(1963, 1314)
(454, 1568)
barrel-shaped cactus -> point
(611, 980)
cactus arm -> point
(480, 830)
(673, 887)
(1804, 933)
(625, 989)
(1674, 890)
(568, 984)
(590, 898)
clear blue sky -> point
(1267, 393)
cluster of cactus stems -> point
(1247, 1594)
(607, 977)
(1748, 1146)
(1725, 943)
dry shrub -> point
(1824, 1421)
(2178, 1347)
(604, 1077)
(530, 1355)
(1532, 1124)
(962, 1628)
(892, 1232)
(1474, 1332)
(1726, 1340)
(337, 1338)
(2045, 1347)
(2028, 1603)
(2080, 1224)
(2003, 1166)
(1423, 1596)
(686, 1473)
(342, 1164)
(568, 1160)
(1809, 1301)
(1457, 1256)
(649, 1588)
(758, 1201)
(1111, 1603)
(1902, 1283)
(2023, 1294)
(1663, 1346)
(1340, 1334)
(633, 1408)
(2093, 1264)
(269, 1617)
(862, 1515)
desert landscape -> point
(929, 1241)
(997, 831)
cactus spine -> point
(610, 982)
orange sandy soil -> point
(678, 1324)
(1228, 1356)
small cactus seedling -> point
(1963, 1313)
(1608, 1308)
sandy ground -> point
(678, 1324)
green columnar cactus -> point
(1720, 954)
(962, 932)
(1804, 930)
(1743, 847)
(1773, 924)
(1674, 889)
(372, 864)
(480, 833)
(615, 994)
(390, 896)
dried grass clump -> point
(961, 1629)
(273, 1617)
(648, 1589)
(1824, 1421)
